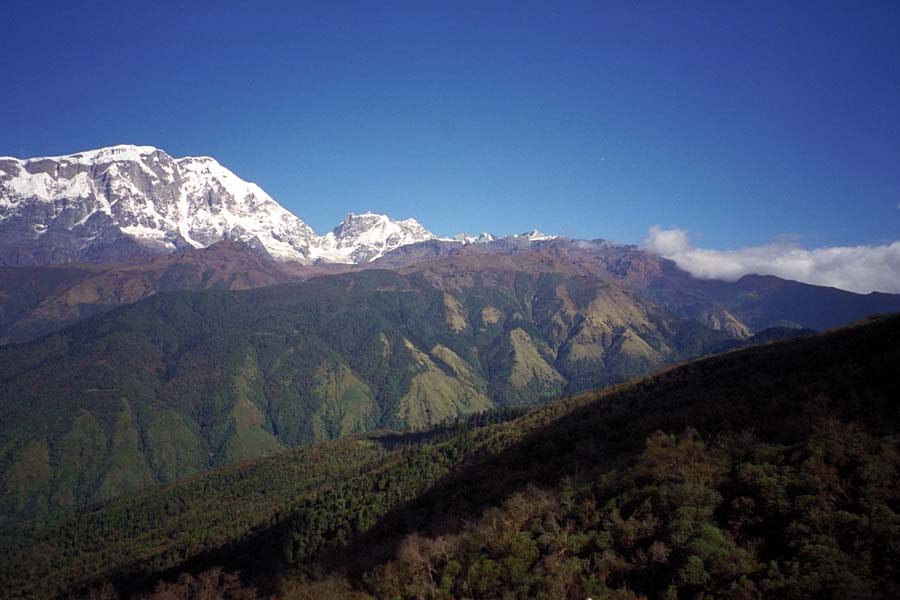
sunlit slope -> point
(181, 382)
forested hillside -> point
(181, 382)
(769, 471)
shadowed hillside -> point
(765, 471)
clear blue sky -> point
(739, 121)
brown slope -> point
(38, 300)
(738, 308)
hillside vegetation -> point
(181, 382)
(769, 471)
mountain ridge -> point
(36, 300)
(204, 378)
(182, 381)
(129, 202)
(124, 201)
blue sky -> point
(741, 122)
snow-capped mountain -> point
(124, 202)
(535, 236)
(482, 238)
(365, 237)
(121, 201)
(486, 238)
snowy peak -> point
(482, 238)
(121, 152)
(124, 201)
(365, 237)
(127, 201)
(535, 236)
(485, 238)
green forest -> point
(182, 382)
(770, 471)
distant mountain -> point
(126, 202)
(481, 238)
(739, 308)
(123, 202)
(392, 326)
(363, 238)
(207, 378)
(484, 238)
(38, 300)
(757, 302)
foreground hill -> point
(764, 472)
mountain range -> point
(184, 381)
(129, 202)
(173, 318)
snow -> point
(122, 152)
(196, 198)
(151, 196)
(536, 236)
(367, 236)
(482, 238)
(26, 186)
(140, 231)
(44, 187)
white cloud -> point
(860, 269)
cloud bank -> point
(861, 269)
